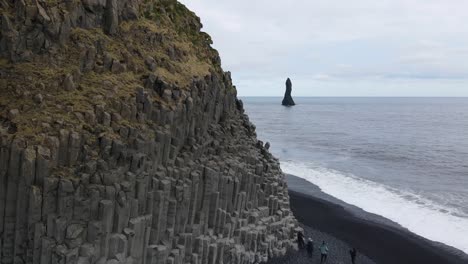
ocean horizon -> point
(403, 158)
(409, 97)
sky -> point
(339, 47)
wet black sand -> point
(342, 228)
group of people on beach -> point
(323, 249)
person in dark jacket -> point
(300, 240)
(310, 247)
(353, 254)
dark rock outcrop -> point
(111, 17)
(119, 161)
(287, 100)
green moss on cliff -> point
(167, 31)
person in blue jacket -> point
(323, 252)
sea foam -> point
(418, 214)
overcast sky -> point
(341, 47)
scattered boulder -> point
(40, 86)
(108, 61)
(150, 63)
(167, 95)
(150, 81)
(42, 14)
(176, 94)
(118, 67)
(130, 12)
(68, 83)
(74, 231)
(13, 113)
(88, 59)
(38, 98)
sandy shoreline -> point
(383, 243)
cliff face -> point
(122, 141)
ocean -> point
(405, 159)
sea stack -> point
(287, 100)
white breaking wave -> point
(419, 215)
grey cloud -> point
(261, 41)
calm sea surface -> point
(402, 158)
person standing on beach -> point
(310, 247)
(353, 254)
(300, 240)
(323, 252)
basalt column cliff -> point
(122, 141)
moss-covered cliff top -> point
(60, 61)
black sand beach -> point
(342, 229)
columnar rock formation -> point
(287, 100)
(122, 141)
